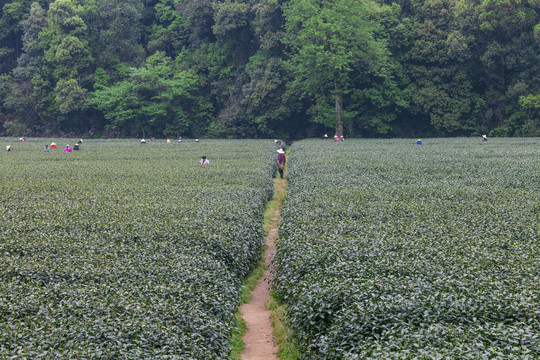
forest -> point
(269, 68)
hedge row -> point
(131, 251)
(391, 250)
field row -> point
(399, 251)
(128, 251)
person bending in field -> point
(76, 147)
(53, 145)
(281, 160)
(46, 148)
(204, 161)
(484, 137)
(9, 148)
(67, 149)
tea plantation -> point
(391, 250)
(123, 250)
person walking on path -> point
(281, 160)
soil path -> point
(259, 338)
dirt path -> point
(259, 338)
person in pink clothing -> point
(336, 138)
(204, 161)
(67, 149)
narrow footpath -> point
(259, 338)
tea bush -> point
(391, 250)
(123, 250)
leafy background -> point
(269, 68)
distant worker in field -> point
(53, 145)
(67, 149)
(418, 142)
(325, 137)
(341, 138)
(281, 160)
(80, 141)
(179, 139)
(9, 148)
(168, 141)
(204, 161)
(76, 147)
(196, 140)
(143, 141)
(46, 148)
(279, 142)
(336, 138)
(23, 140)
(484, 137)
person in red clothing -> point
(281, 161)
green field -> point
(391, 250)
(387, 249)
(122, 250)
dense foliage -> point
(123, 250)
(269, 68)
(400, 251)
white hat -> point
(280, 151)
(484, 136)
(7, 147)
(335, 136)
(67, 145)
(341, 136)
(196, 140)
(325, 135)
(418, 140)
(53, 143)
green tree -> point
(441, 87)
(327, 40)
(155, 99)
(510, 59)
(12, 17)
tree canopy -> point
(270, 68)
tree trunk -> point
(339, 106)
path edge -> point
(252, 279)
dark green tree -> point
(327, 41)
(156, 99)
